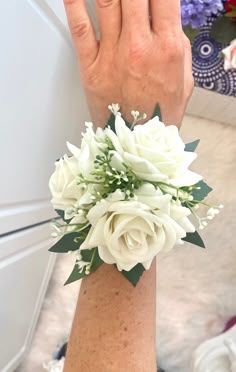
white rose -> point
(129, 232)
(67, 195)
(155, 152)
(92, 144)
(156, 200)
(153, 197)
(63, 185)
(230, 56)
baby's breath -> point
(111, 179)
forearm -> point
(114, 324)
(136, 64)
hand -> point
(139, 61)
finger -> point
(135, 15)
(166, 15)
(109, 16)
(82, 31)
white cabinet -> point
(25, 269)
(41, 106)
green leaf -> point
(66, 244)
(191, 147)
(88, 255)
(111, 123)
(75, 275)
(194, 238)
(223, 30)
(62, 215)
(157, 112)
(92, 254)
(135, 274)
(202, 193)
(190, 32)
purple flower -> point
(195, 12)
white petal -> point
(98, 211)
(188, 178)
(147, 264)
(86, 199)
(95, 236)
(105, 255)
(114, 139)
(125, 135)
(117, 161)
(188, 158)
(186, 224)
(73, 149)
(144, 168)
(153, 197)
(118, 195)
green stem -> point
(92, 259)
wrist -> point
(100, 114)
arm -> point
(136, 65)
(114, 324)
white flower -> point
(63, 185)
(92, 144)
(153, 197)
(154, 152)
(78, 219)
(230, 56)
(115, 109)
(130, 232)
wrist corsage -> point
(126, 195)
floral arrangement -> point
(195, 14)
(126, 195)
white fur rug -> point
(196, 292)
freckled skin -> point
(111, 329)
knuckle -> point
(173, 48)
(80, 29)
(174, 53)
(106, 3)
(69, 2)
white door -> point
(41, 106)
